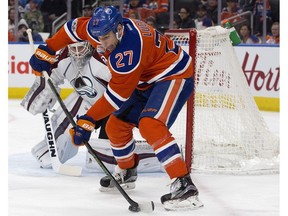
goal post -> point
(224, 129)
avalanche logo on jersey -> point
(84, 86)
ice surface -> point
(36, 191)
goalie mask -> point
(79, 50)
(80, 53)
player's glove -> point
(42, 59)
(85, 125)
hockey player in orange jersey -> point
(151, 79)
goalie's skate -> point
(183, 195)
(125, 177)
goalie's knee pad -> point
(65, 151)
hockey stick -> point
(134, 206)
(57, 166)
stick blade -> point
(69, 170)
(147, 207)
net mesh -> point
(229, 133)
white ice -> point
(35, 191)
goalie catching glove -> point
(42, 59)
(40, 96)
(83, 130)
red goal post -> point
(225, 131)
(185, 37)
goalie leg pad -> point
(64, 147)
(41, 154)
(149, 162)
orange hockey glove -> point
(82, 132)
(42, 59)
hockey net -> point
(225, 132)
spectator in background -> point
(202, 21)
(175, 25)
(11, 4)
(23, 3)
(11, 19)
(158, 6)
(258, 16)
(185, 21)
(231, 10)
(11, 37)
(139, 7)
(246, 36)
(247, 5)
(274, 37)
(133, 5)
(127, 6)
(26, 6)
(34, 17)
(22, 35)
(87, 10)
(12, 29)
(51, 10)
(212, 10)
(133, 14)
(160, 10)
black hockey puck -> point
(134, 208)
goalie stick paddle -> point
(57, 166)
(134, 206)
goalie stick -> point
(57, 166)
(134, 206)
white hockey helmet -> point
(79, 50)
